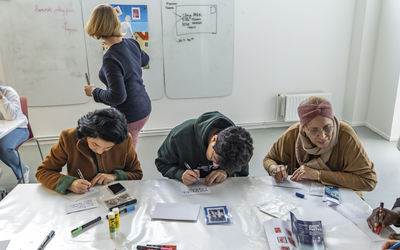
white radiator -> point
(290, 102)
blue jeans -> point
(8, 155)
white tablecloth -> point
(30, 211)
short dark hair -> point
(107, 124)
(234, 147)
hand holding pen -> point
(81, 185)
(89, 87)
(389, 217)
(278, 172)
(190, 175)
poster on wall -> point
(134, 24)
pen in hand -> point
(87, 79)
(188, 167)
(380, 218)
(80, 175)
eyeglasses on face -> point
(315, 131)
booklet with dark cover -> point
(294, 234)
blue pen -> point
(395, 245)
(283, 179)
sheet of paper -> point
(359, 217)
(4, 244)
(75, 197)
(81, 205)
(176, 211)
(195, 189)
(288, 183)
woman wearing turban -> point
(321, 148)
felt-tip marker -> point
(123, 204)
(79, 229)
(152, 248)
(173, 247)
(47, 240)
(87, 79)
(125, 210)
(380, 217)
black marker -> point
(79, 229)
(87, 79)
(47, 240)
(123, 204)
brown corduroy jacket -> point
(77, 154)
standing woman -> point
(121, 71)
(10, 109)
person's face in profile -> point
(319, 130)
(98, 145)
(210, 153)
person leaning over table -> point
(121, 71)
(211, 145)
(100, 147)
(321, 148)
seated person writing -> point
(10, 109)
(100, 147)
(389, 217)
(211, 145)
(321, 148)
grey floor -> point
(382, 152)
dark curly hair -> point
(234, 147)
(107, 124)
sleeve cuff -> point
(121, 176)
(64, 183)
(178, 174)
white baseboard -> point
(384, 135)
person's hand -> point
(278, 172)
(304, 171)
(103, 179)
(89, 89)
(190, 176)
(1, 95)
(389, 243)
(394, 236)
(389, 217)
(79, 186)
(218, 176)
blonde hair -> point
(103, 23)
(313, 100)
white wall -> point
(280, 46)
(361, 61)
(386, 71)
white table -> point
(7, 126)
(30, 211)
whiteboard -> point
(153, 77)
(43, 50)
(198, 48)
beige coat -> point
(350, 165)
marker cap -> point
(76, 231)
(300, 195)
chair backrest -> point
(24, 108)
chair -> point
(24, 107)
